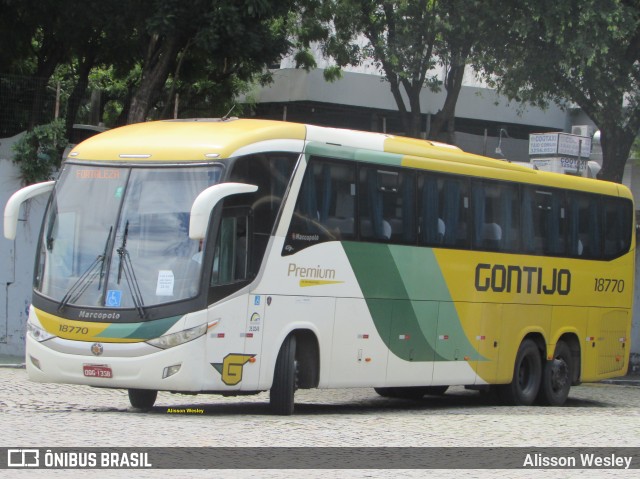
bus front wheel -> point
(284, 379)
(142, 398)
(556, 377)
(527, 376)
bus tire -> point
(527, 376)
(556, 377)
(281, 396)
(142, 398)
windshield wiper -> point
(129, 274)
(82, 283)
(104, 257)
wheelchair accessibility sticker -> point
(114, 298)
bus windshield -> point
(119, 237)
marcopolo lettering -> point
(501, 278)
(97, 315)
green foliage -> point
(137, 53)
(409, 41)
(39, 152)
(586, 52)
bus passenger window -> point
(543, 221)
(443, 211)
(387, 205)
(325, 206)
(495, 216)
(616, 219)
(454, 212)
(584, 230)
(431, 227)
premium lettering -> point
(522, 279)
(310, 273)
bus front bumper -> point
(130, 365)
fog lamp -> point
(170, 370)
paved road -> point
(46, 415)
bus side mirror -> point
(12, 209)
(207, 201)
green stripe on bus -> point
(354, 154)
(409, 308)
(144, 331)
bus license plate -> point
(97, 371)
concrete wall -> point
(366, 90)
(16, 257)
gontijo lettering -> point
(501, 278)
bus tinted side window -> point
(617, 237)
(584, 226)
(386, 200)
(325, 208)
(443, 210)
(342, 201)
(543, 221)
(496, 216)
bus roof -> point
(198, 140)
(183, 140)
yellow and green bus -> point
(234, 256)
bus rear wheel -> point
(556, 377)
(281, 396)
(142, 398)
(527, 376)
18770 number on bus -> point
(608, 285)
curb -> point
(13, 366)
(12, 361)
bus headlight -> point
(37, 333)
(181, 337)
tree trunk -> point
(162, 54)
(443, 124)
(397, 95)
(415, 116)
(49, 56)
(73, 104)
(616, 145)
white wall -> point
(16, 257)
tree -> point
(103, 36)
(219, 41)
(143, 51)
(41, 37)
(35, 42)
(586, 52)
(409, 40)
